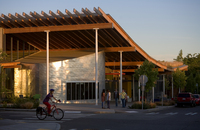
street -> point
(173, 118)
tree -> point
(191, 84)
(148, 69)
(3, 75)
(179, 78)
(193, 62)
(197, 78)
(180, 56)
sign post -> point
(143, 80)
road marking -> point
(66, 119)
(153, 113)
(72, 111)
(191, 113)
(131, 111)
(30, 118)
(171, 113)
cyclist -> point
(46, 100)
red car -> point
(197, 97)
(186, 99)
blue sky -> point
(159, 27)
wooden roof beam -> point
(55, 17)
(123, 63)
(88, 15)
(32, 20)
(64, 17)
(133, 70)
(117, 49)
(79, 16)
(39, 17)
(23, 19)
(17, 20)
(71, 16)
(69, 40)
(91, 15)
(59, 28)
(48, 17)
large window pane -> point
(82, 91)
(78, 91)
(90, 90)
(86, 90)
(73, 91)
(94, 91)
(68, 91)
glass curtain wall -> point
(81, 90)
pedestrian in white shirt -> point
(108, 99)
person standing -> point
(108, 98)
(103, 95)
(123, 96)
(116, 96)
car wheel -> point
(191, 104)
(178, 105)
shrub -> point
(146, 105)
(27, 105)
(166, 103)
(20, 102)
(4, 104)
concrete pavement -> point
(92, 108)
(8, 124)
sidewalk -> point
(92, 108)
(8, 124)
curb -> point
(10, 109)
(159, 108)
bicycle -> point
(58, 113)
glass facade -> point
(81, 90)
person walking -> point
(116, 96)
(103, 95)
(125, 99)
(123, 96)
(108, 99)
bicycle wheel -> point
(42, 114)
(58, 114)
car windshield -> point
(184, 95)
(196, 96)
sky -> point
(160, 27)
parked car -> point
(186, 99)
(197, 97)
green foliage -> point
(3, 56)
(146, 105)
(179, 78)
(3, 77)
(4, 104)
(148, 69)
(180, 56)
(19, 102)
(191, 85)
(167, 78)
(193, 73)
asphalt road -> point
(185, 118)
